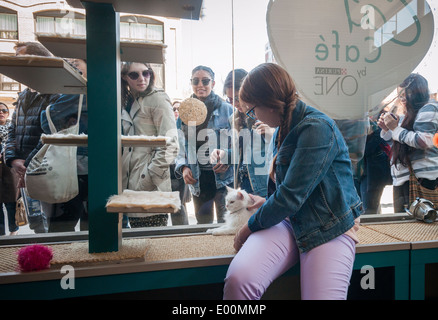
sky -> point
(209, 41)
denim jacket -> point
(314, 181)
(257, 158)
(187, 156)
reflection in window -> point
(8, 84)
(141, 31)
(61, 26)
(8, 26)
(398, 23)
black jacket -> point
(25, 130)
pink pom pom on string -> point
(35, 257)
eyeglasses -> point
(251, 113)
(4, 110)
(230, 100)
(205, 81)
(134, 75)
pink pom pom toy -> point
(35, 257)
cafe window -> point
(335, 66)
(8, 26)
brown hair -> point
(270, 86)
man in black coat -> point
(25, 132)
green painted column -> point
(104, 146)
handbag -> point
(51, 175)
(20, 213)
(416, 190)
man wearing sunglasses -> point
(25, 132)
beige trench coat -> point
(147, 168)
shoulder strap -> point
(49, 119)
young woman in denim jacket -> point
(207, 182)
(312, 216)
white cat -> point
(237, 213)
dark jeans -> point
(35, 215)
(370, 187)
(209, 195)
(63, 217)
(10, 209)
(180, 217)
(401, 197)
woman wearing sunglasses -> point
(412, 139)
(146, 110)
(310, 216)
(207, 182)
(8, 190)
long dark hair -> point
(416, 89)
(270, 85)
(127, 95)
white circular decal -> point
(346, 56)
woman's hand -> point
(257, 202)
(188, 176)
(18, 168)
(241, 236)
(215, 157)
(391, 121)
(262, 128)
(381, 122)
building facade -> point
(25, 20)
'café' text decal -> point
(346, 56)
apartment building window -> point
(8, 26)
(8, 84)
(61, 26)
(141, 28)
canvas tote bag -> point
(52, 173)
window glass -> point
(348, 67)
(8, 26)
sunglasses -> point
(4, 110)
(135, 75)
(251, 113)
(204, 81)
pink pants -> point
(325, 270)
